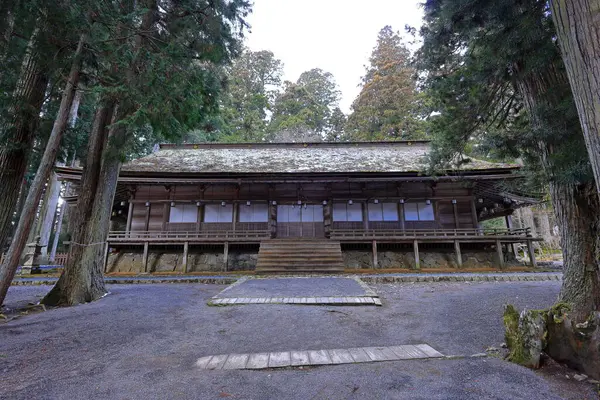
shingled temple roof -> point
(402, 157)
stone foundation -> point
(361, 259)
(213, 261)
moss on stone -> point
(512, 336)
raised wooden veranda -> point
(372, 236)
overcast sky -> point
(334, 35)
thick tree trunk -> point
(82, 280)
(578, 27)
(577, 212)
(576, 208)
(8, 269)
(17, 135)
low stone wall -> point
(212, 261)
(245, 260)
(361, 259)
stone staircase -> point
(291, 256)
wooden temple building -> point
(309, 207)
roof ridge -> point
(217, 145)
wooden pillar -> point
(401, 215)
(509, 225)
(200, 217)
(185, 256)
(145, 257)
(365, 215)
(236, 207)
(166, 215)
(328, 218)
(129, 218)
(147, 217)
(225, 255)
(474, 214)
(455, 209)
(500, 254)
(273, 219)
(374, 253)
(416, 250)
(458, 254)
(105, 260)
(531, 253)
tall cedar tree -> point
(23, 82)
(484, 60)
(13, 256)
(308, 105)
(253, 80)
(387, 105)
(578, 26)
(165, 76)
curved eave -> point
(68, 173)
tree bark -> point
(8, 269)
(82, 280)
(17, 134)
(576, 206)
(578, 27)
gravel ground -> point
(295, 287)
(141, 342)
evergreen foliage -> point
(474, 57)
(495, 74)
(253, 82)
(307, 108)
(388, 106)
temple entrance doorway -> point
(305, 220)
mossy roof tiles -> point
(401, 157)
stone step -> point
(298, 256)
(300, 247)
(313, 267)
(284, 264)
(296, 272)
(301, 257)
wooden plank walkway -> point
(304, 301)
(298, 358)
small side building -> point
(308, 207)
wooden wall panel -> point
(445, 214)
(151, 192)
(314, 193)
(156, 217)
(138, 219)
(465, 217)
